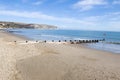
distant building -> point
(2, 24)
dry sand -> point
(52, 61)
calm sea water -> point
(111, 44)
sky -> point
(66, 14)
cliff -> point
(4, 24)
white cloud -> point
(109, 21)
(113, 16)
(25, 14)
(116, 2)
(37, 3)
(104, 22)
(38, 15)
(88, 4)
(114, 25)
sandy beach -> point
(52, 61)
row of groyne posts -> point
(69, 41)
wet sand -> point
(52, 61)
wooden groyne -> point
(63, 41)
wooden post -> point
(36, 41)
(86, 41)
(52, 40)
(79, 41)
(59, 41)
(97, 40)
(70, 40)
(104, 39)
(75, 40)
(104, 36)
(45, 41)
(90, 41)
(83, 41)
(26, 41)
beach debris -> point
(72, 42)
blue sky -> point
(66, 14)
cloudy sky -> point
(66, 14)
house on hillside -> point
(2, 24)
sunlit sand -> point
(54, 61)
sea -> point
(111, 43)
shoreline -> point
(79, 45)
(50, 61)
(23, 39)
(16, 35)
(113, 48)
